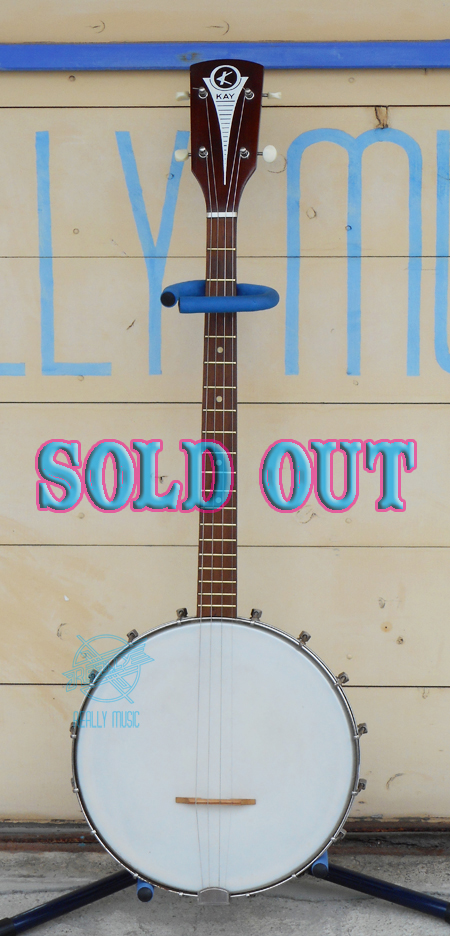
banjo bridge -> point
(199, 801)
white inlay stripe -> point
(221, 214)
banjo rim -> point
(258, 625)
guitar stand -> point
(83, 896)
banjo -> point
(245, 762)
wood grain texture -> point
(207, 21)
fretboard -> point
(217, 554)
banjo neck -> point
(225, 114)
(217, 551)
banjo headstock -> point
(225, 113)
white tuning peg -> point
(273, 94)
(269, 154)
(182, 96)
(181, 155)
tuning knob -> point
(272, 94)
(269, 154)
(182, 96)
(181, 155)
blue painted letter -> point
(155, 255)
(49, 366)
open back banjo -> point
(245, 763)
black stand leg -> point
(376, 888)
(116, 882)
(66, 903)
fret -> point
(211, 523)
(221, 279)
(208, 569)
(217, 555)
(217, 604)
(213, 581)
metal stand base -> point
(321, 869)
(433, 906)
(71, 901)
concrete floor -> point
(305, 907)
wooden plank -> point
(146, 21)
(404, 756)
(309, 88)
(378, 614)
(24, 428)
(52, 597)
(88, 184)
(422, 523)
(101, 315)
(36, 761)
(23, 522)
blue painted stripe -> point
(155, 255)
(49, 366)
(131, 56)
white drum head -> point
(228, 710)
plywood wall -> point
(81, 359)
(211, 20)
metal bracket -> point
(342, 679)
(132, 634)
(339, 836)
(92, 675)
(362, 729)
(181, 613)
(213, 896)
(303, 638)
(255, 614)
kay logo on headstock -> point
(225, 114)
(225, 84)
